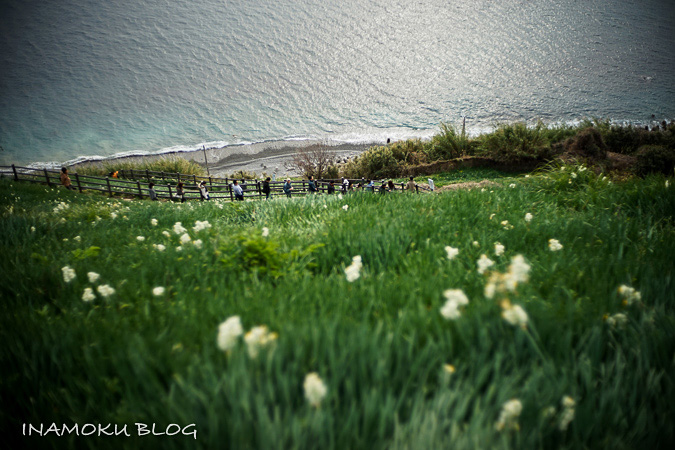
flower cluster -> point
(265, 232)
(618, 320)
(68, 273)
(178, 228)
(454, 299)
(199, 226)
(508, 418)
(514, 314)
(258, 338)
(228, 332)
(484, 263)
(519, 272)
(353, 271)
(567, 414)
(499, 249)
(451, 251)
(629, 295)
(554, 245)
(315, 389)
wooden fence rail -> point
(129, 184)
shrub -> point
(243, 175)
(655, 159)
(168, 164)
(587, 143)
(517, 142)
(449, 144)
(376, 162)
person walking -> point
(311, 185)
(238, 191)
(288, 188)
(266, 188)
(180, 191)
(151, 191)
(203, 191)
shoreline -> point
(269, 158)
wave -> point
(361, 139)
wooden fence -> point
(135, 183)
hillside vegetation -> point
(536, 312)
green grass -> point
(379, 344)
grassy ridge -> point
(380, 343)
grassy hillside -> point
(550, 351)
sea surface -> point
(88, 79)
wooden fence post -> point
(47, 177)
(16, 175)
(170, 194)
(140, 192)
(178, 176)
(229, 188)
(77, 180)
(147, 174)
(132, 174)
(107, 180)
(194, 178)
(162, 176)
(259, 191)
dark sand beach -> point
(266, 158)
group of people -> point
(238, 191)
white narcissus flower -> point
(93, 277)
(618, 320)
(166, 233)
(315, 389)
(185, 238)
(476, 244)
(484, 263)
(629, 294)
(353, 271)
(140, 238)
(567, 414)
(197, 243)
(345, 207)
(258, 338)
(159, 290)
(178, 228)
(228, 332)
(499, 249)
(512, 185)
(451, 251)
(508, 418)
(514, 314)
(88, 295)
(554, 245)
(454, 299)
(153, 222)
(105, 290)
(528, 217)
(265, 232)
(77, 238)
(68, 273)
(199, 226)
(159, 247)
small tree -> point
(316, 161)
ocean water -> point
(88, 79)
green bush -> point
(587, 143)
(449, 144)
(376, 163)
(168, 164)
(655, 159)
(517, 142)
